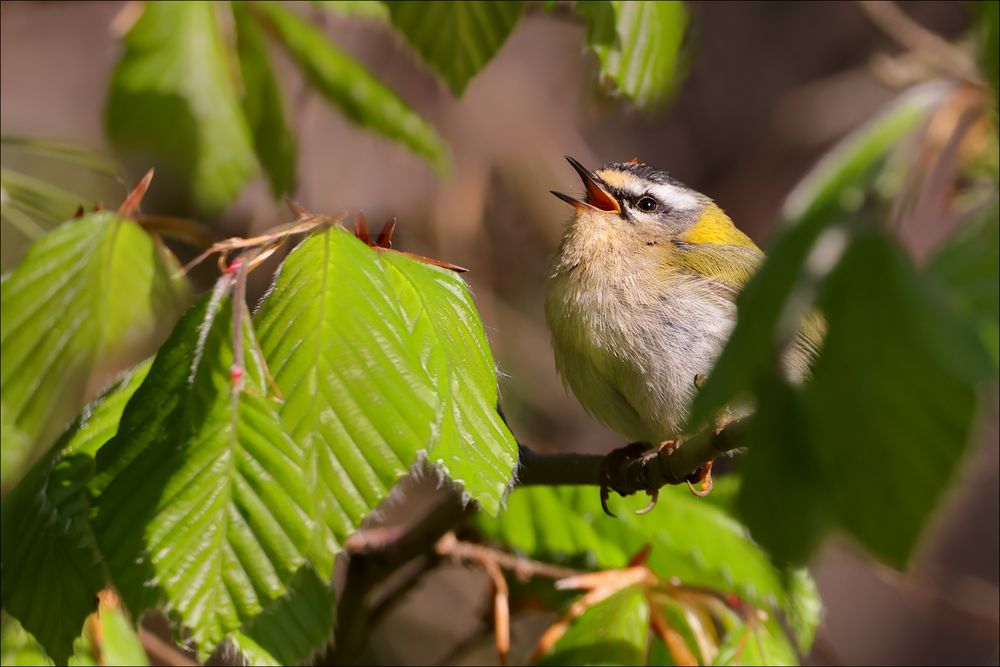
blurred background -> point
(769, 87)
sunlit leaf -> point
(613, 632)
(293, 626)
(638, 45)
(754, 644)
(172, 99)
(17, 646)
(203, 507)
(51, 569)
(381, 360)
(90, 296)
(352, 88)
(108, 639)
(456, 39)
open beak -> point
(597, 197)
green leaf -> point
(89, 297)
(754, 644)
(272, 138)
(896, 381)
(115, 643)
(832, 192)
(18, 647)
(456, 39)
(638, 45)
(121, 646)
(836, 187)
(172, 98)
(614, 632)
(969, 266)
(30, 206)
(352, 88)
(783, 498)
(17, 448)
(369, 9)
(203, 506)
(51, 568)
(381, 360)
(292, 627)
(690, 539)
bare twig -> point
(501, 609)
(524, 568)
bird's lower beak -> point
(597, 196)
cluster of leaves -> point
(199, 483)
(208, 107)
(713, 580)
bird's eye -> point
(647, 204)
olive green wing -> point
(729, 268)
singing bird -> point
(640, 300)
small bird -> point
(640, 302)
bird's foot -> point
(700, 481)
(611, 462)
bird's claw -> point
(700, 481)
(654, 495)
(610, 463)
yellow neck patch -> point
(714, 226)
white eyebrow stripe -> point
(674, 197)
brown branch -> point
(379, 552)
(653, 470)
(161, 652)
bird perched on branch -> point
(640, 303)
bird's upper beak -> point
(598, 198)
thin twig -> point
(501, 609)
(524, 568)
